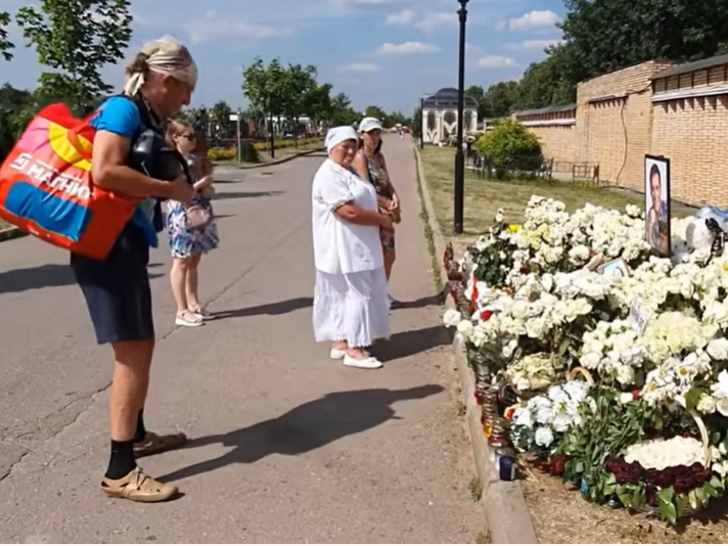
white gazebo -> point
(440, 116)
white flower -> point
(465, 327)
(625, 375)
(720, 389)
(718, 349)
(634, 211)
(522, 418)
(499, 216)
(706, 405)
(544, 437)
(625, 398)
(590, 360)
(451, 318)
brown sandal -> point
(157, 443)
(138, 486)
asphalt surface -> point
(286, 445)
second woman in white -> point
(350, 302)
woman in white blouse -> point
(350, 304)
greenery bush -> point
(510, 147)
(286, 143)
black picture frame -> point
(657, 223)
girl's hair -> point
(175, 128)
(376, 151)
(655, 170)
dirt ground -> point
(561, 515)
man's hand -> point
(181, 190)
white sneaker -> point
(369, 363)
(203, 313)
(336, 354)
(188, 319)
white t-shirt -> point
(340, 246)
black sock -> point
(122, 459)
(141, 432)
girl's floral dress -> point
(184, 242)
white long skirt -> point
(352, 307)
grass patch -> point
(429, 236)
(484, 197)
(476, 489)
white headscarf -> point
(337, 135)
(166, 56)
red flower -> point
(485, 315)
(557, 464)
(635, 394)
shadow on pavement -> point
(305, 427)
(437, 299)
(404, 344)
(246, 194)
(42, 276)
(279, 308)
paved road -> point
(286, 445)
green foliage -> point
(607, 430)
(609, 35)
(14, 105)
(510, 146)
(375, 112)
(76, 38)
(5, 44)
(286, 143)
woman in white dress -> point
(350, 303)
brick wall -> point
(620, 117)
(614, 122)
(693, 133)
(557, 142)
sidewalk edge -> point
(277, 161)
(506, 511)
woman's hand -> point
(204, 182)
(386, 222)
(394, 204)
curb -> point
(11, 233)
(506, 511)
(278, 161)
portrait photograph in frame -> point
(657, 204)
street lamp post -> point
(459, 154)
(422, 122)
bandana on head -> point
(166, 56)
(337, 135)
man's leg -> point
(132, 361)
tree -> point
(77, 38)
(5, 44)
(341, 111)
(317, 103)
(375, 112)
(13, 102)
(300, 83)
(549, 82)
(499, 99)
(608, 35)
(267, 89)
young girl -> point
(189, 237)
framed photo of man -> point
(657, 204)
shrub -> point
(221, 154)
(510, 147)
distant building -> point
(440, 116)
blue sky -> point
(383, 52)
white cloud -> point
(434, 21)
(345, 3)
(407, 48)
(540, 45)
(535, 19)
(214, 26)
(359, 67)
(495, 61)
(404, 17)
